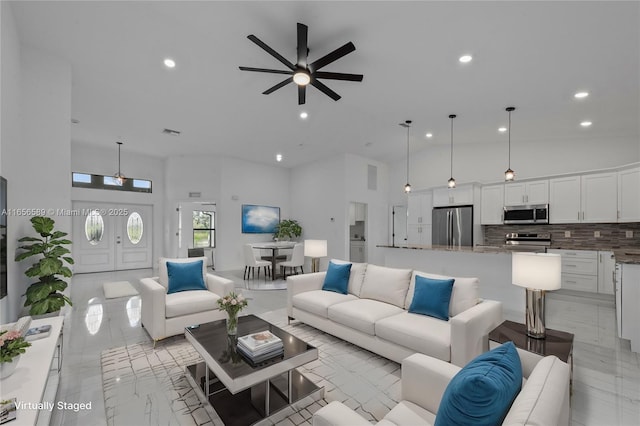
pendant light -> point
(407, 125)
(509, 175)
(451, 183)
(119, 176)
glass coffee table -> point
(242, 393)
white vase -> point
(7, 368)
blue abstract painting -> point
(259, 219)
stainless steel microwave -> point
(537, 214)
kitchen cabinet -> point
(419, 206)
(579, 269)
(492, 202)
(628, 296)
(460, 195)
(588, 198)
(606, 267)
(520, 193)
(419, 235)
(357, 213)
(629, 195)
(357, 252)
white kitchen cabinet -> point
(460, 195)
(629, 314)
(600, 198)
(564, 200)
(617, 278)
(629, 195)
(606, 266)
(532, 192)
(419, 235)
(419, 208)
(579, 269)
(357, 252)
(491, 207)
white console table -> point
(36, 378)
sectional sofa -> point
(374, 313)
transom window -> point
(204, 231)
(88, 180)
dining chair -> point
(297, 261)
(251, 263)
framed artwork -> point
(259, 219)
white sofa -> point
(165, 315)
(374, 314)
(543, 399)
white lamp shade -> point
(540, 271)
(315, 248)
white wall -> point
(229, 183)
(35, 156)
(87, 158)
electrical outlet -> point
(596, 234)
(629, 234)
(567, 234)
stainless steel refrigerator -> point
(452, 226)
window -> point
(87, 180)
(204, 231)
(94, 227)
(135, 228)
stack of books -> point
(260, 347)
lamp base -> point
(315, 264)
(534, 315)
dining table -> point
(274, 247)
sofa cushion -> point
(408, 413)
(185, 276)
(337, 278)
(389, 285)
(163, 275)
(361, 314)
(356, 277)
(317, 302)
(431, 297)
(463, 296)
(483, 391)
(190, 302)
(420, 333)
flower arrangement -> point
(12, 344)
(232, 303)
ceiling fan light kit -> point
(303, 73)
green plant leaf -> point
(66, 272)
(25, 239)
(58, 234)
(42, 225)
(57, 242)
(69, 260)
(50, 266)
(37, 291)
(58, 251)
(34, 271)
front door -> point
(110, 237)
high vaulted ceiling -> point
(532, 55)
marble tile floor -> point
(606, 373)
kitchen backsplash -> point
(612, 235)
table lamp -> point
(537, 272)
(315, 249)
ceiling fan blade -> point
(266, 70)
(338, 76)
(270, 51)
(303, 30)
(324, 89)
(302, 95)
(332, 57)
(277, 86)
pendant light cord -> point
(509, 138)
(451, 170)
(407, 153)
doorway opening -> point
(197, 222)
(358, 232)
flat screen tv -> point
(259, 219)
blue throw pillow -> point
(185, 276)
(431, 297)
(483, 391)
(337, 278)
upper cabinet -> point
(419, 206)
(459, 195)
(533, 192)
(492, 204)
(588, 198)
(629, 195)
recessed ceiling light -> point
(304, 115)
(169, 63)
(429, 135)
(586, 123)
(581, 95)
(465, 58)
(278, 157)
(502, 129)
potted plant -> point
(12, 345)
(287, 229)
(44, 296)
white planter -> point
(7, 368)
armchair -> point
(165, 315)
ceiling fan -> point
(303, 73)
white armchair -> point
(165, 315)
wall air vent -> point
(195, 195)
(171, 132)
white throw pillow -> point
(164, 274)
(356, 275)
(388, 285)
(463, 296)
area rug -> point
(147, 385)
(115, 289)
